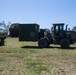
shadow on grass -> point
(50, 47)
(34, 47)
(2, 45)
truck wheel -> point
(64, 43)
(47, 41)
(43, 43)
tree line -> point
(11, 29)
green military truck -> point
(59, 35)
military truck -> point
(3, 35)
(58, 36)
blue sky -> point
(42, 12)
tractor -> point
(58, 36)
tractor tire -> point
(43, 43)
(65, 43)
(47, 41)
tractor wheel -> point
(47, 41)
(43, 43)
(64, 43)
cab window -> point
(61, 28)
(57, 28)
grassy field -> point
(25, 58)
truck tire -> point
(65, 43)
(47, 41)
(43, 43)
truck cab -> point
(58, 32)
(61, 35)
(59, 29)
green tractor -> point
(58, 36)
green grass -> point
(25, 58)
